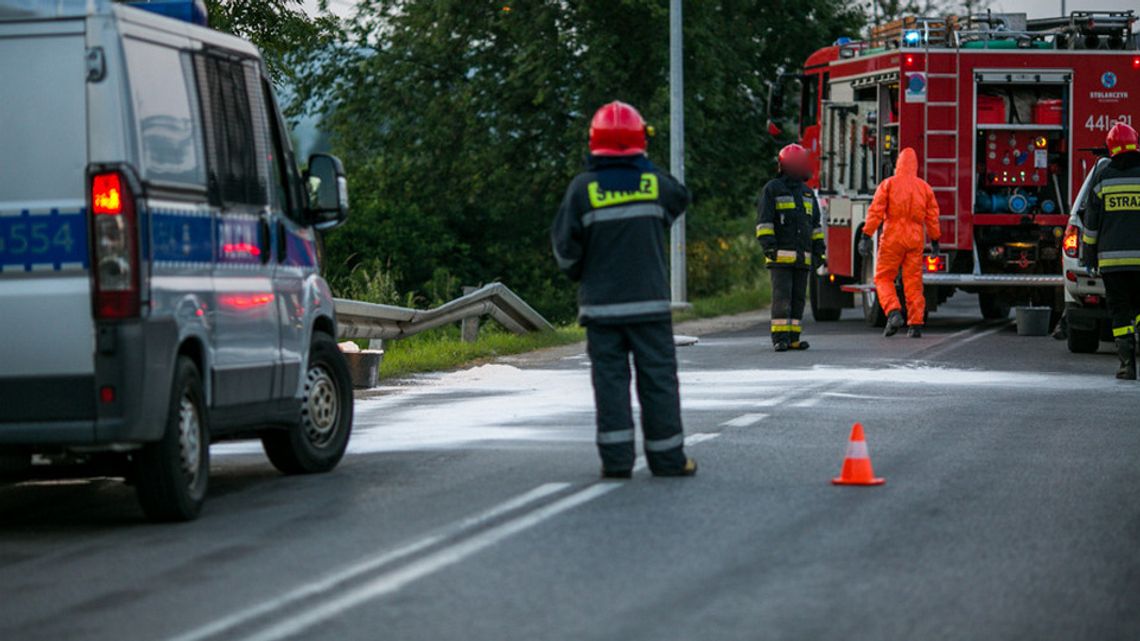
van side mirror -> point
(328, 191)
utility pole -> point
(678, 275)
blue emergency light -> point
(912, 37)
(192, 11)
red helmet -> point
(1122, 138)
(795, 161)
(617, 130)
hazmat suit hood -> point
(907, 166)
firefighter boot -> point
(894, 323)
(780, 346)
(914, 331)
(1126, 349)
(799, 345)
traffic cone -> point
(857, 464)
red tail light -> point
(114, 239)
(1072, 242)
(935, 263)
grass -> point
(442, 349)
(736, 301)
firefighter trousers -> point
(891, 258)
(1123, 292)
(789, 295)
(655, 359)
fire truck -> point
(1006, 116)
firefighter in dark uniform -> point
(789, 229)
(1112, 240)
(610, 236)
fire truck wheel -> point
(993, 306)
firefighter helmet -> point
(795, 161)
(617, 130)
(1122, 138)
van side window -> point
(165, 104)
(284, 181)
(238, 170)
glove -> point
(1089, 259)
(865, 245)
(935, 248)
(770, 254)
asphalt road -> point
(469, 508)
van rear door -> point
(46, 327)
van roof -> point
(22, 10)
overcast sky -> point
(1049, 8)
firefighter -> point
(610, 237)
(789, 230)
(1112, 240)
(904, 206)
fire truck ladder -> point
(944, 183)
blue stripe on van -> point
(43, 239)
(182, 236)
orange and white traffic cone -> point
(857, 464)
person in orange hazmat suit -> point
(904, 206)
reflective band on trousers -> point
(776, 329)
(765, 229)
(857, 450)
(609, 214)
(1089, 240)
(615, 437)
(662, 445)
(1123, 331)
(625, 309)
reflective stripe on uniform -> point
(610, 214)
(765, 229)
(1119, 258)
(817, 233)
(1116, 185)
(1089, 237)
(808, 207)
(787, 257)
(790, 205)
(664, 444)
(615, 437)
(1117, 332)
(776, 329)
(796, 322)
(625, 309)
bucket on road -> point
(1033, 321)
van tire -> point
(1083, 341)
(172, 475)
(317, 442)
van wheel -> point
(172, 474)
(316, 443)
(1083, 342)
(993, 306)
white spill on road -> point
(499, 403)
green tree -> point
(461, 121)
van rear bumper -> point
(133, 358)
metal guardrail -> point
(356, 319)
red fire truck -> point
(1005, 115)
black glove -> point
(935, 248)
(1089, 259)
(865, 246)
(770, 254)
(821, 261)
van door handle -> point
(264, 238)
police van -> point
(159, 275)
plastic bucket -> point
(1033, 321)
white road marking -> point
(746, 420)
(771, 402)
(393, 581)
(365, 566)
(968, 339)
(809, 402)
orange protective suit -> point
(905, 207)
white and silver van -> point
(159, 276)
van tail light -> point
(1072, 242)
(114, 239)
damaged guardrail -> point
(359, 320)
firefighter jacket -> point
(610, 235)
(1112, 220)
(788, 224)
